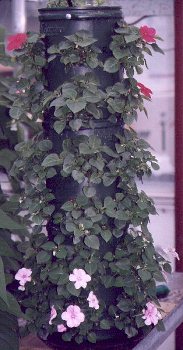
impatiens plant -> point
(90, 264)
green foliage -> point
(76, 3)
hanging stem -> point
(70, 3)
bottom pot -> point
(112, 339)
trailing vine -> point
(82, 226)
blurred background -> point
(159, 128)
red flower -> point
(144, 90)
(16, 41)
(148, 34)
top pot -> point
(56, 23)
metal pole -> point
(18, 16)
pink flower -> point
(93, 301)
(73, 316)
(80, 278)
(148, 34)
(144, 90)
(53, 314)
(151, 314)
(16, 41)
(23, 275)
(61, 328)
(171, 252)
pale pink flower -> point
(151, 314)
(73, 316)
(22, 288)
(172, 253)
(23, 275)
(61, 328)
(22, 322)
(53, 314)
(93, 301)
(80, 278)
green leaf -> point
(123, 264)
(7, 223)
(91, 268)
(97, 163)
(15, 112)
(105, 324)
(109, 203)
(3, 294)
(48, 246)
(75, 124)
(48, 210)
(130, 331)
(45, 145)
(69, 91)
(43, 257)
(8, 250)
(61, 253)
(160, 326)
(93, 110)
(92, 241)
(76, 106)
(82, 200)
(119, 282)
(109, 256)
(125, 305)
(90, 212)
(84, 149)
(89, 191)
(51, 160)
(156, 48)
(68, 206)
(67, 336)
(69, 163)
(106, 235)
(78, 176)
(40, 61)
(82, 38)
(14, 307)
(155, 166)
(111, 213)
(9, 339)
(72, 290)
(59, 125)
(144, 275)
(122, 215)
(108, 179)
(7, 157)
(8, 323)
(111, 65)
(131, 37)
(51, 173)
(121, 53)
(58, 102)
(92, 338)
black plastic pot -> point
(100, 21)
(120, 343)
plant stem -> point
(70, 3)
